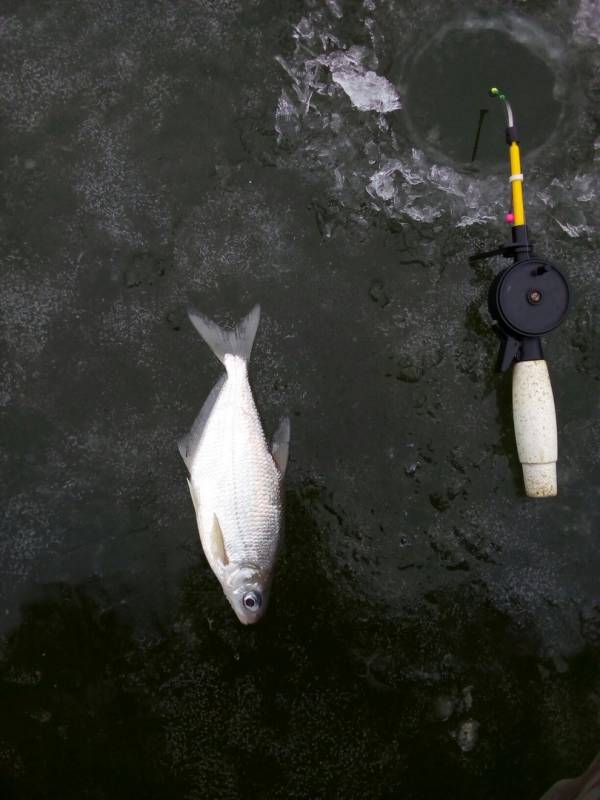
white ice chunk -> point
(353, 58)
(368, 92)
(304, 29)
(467, 734)
(335, 7)
(584, 189)
(286, 117)
(422, 214)
(466, 220)
(587, 19)
(411, 176)
(284, 65)
(285, 108)
(446, 179)
(382, 183)
(574, 231)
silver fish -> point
(236, 480)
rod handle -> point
(534, 417)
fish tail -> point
(236, 342)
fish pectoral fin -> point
(216, 542)
(280, 446)
(210, 531)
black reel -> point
(526, 300)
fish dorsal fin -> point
(188, 444)
(216, 543)
(236, 342)
(281, 445)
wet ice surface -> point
(424, 610)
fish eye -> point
(252, 601)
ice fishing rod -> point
(526, 300)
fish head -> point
(247, 590)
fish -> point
(235, 478)
(585, 787)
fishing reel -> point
(527, 300)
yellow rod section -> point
(518, 206)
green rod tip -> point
(495, 92)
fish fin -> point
(188, 444)
(194, 501)
(236, 342)
(183, 447)
(211, 534)
(280, 446)
(215, 542)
